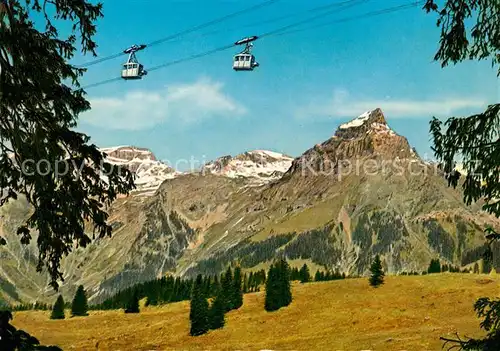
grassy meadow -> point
(406, 313)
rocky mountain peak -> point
(370, 121)
(366, 136)
(149, 171)
(259, 166)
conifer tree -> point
(305, 276)
(237, 298)
(285, 286)
(58, 309)
(227, 290)
(377, 273)
(272, 290)
(245, 283)
(251, 282)
(476, 268)
(198, 314)
(317, 276)
(133, 303)
(79, 307)
(278, 288)
(434, 266)
(217, 311)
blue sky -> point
(307, 84)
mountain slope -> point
(362, 192)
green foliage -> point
(37, 306)
(157, 292)
(377, 273)
(79, 306)
(14, 339)
(227, 289)
(318, 245)
(462, 41)
(237, 298)
(473, 139)
(217, 311)
(278, 288)
(305, 275)
(58, 309)
(328, 275)
(39, 112)
(439, 239)
(434, 266)
(133, 304)
(248, 253)
(255, 280)
(198, 314)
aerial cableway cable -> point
(184, 32)
(277, 32)
(348, 3)
(348, 19)
(277, 19)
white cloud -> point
(342, 104)
(184, 103)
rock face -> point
(365, 136)
(150, 172)
(360, 193)
(259, 166)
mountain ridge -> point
(362, 192)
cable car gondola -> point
(132, 69)
(245, 61)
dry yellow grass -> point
(406, 313)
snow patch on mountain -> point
(150, 173)
(259, 166)
(359, 121)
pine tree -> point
(317, 276)
(272, 290)
(237, 298)
(245, 283)
(198, 314)
(79, 307)
(285, 286)
(476, 268)
(305, 276)
(217, 312)
(278, 287)
(227, 290)
(434, 266)
(377, 274)
(58, 309)
(133, 303)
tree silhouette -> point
(14, 339)
(133, 304)
(469, 31)
(58, 309)
(434, 266)
(79, 307)
(217, 312)
(198, 314)
(237, 298)
(227, 292)
(377, 273)
(278, 288)
(305, 276)
(42, 158)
